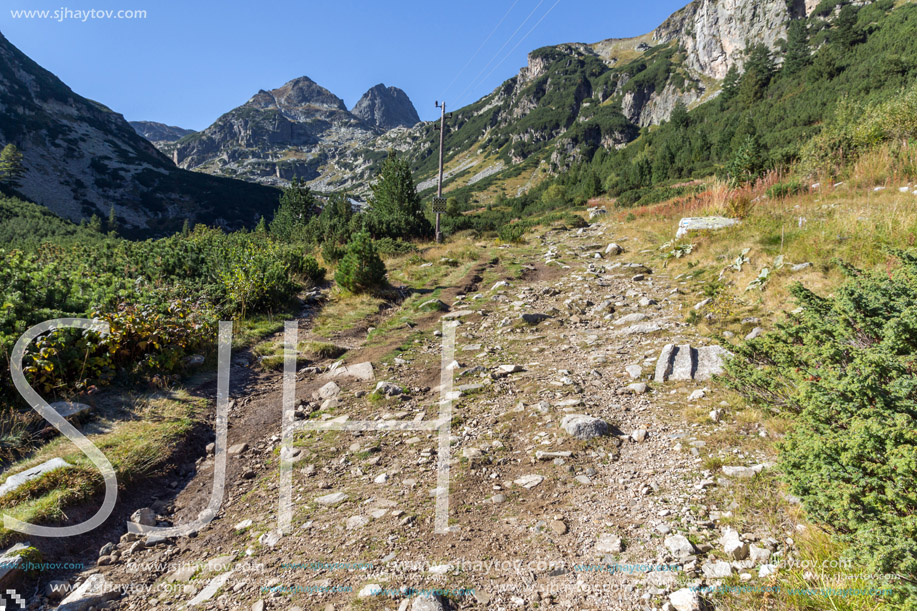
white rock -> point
(697, 395)
(529, 481)
(14, 481)
(685, 600)
(717, 570)
(679, 546)
(356, 522)
(609, 544)
(742, 472)
(759, 555)
(733, 545)
(613, 249)
(329, 391)
(370, 589)
(331, 499)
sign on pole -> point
(439, 204)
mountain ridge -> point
(82, 159)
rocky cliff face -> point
(81, 158)
(386, 108)
(713, 33)
(160, 132)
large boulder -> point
(582, 426)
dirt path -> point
(539, 516)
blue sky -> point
(189, 61)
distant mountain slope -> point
(281, 133)
(567, 102)
(160, 132)
(386, 108)
(81, 158)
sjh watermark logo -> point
(63, 14)
(289, 426)
(11, 596)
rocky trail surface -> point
(576, 478)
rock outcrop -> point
(386, 108)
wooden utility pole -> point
(439, 205)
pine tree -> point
(396, 210)
(261, 227)
(679, 117)
(797, 47)
(186, 228)
(730, 84)
(112, 223)
(11, 168)
(845, 32)
(296, 205)
(95, 223)
(759, 69)
(361, 269)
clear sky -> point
(189, 61)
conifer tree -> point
(11, 168)
(797, 47)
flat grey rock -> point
(14, 481)
(70, 410)
(704, 223)
(331, 499)
(360, 371)
(683, 363)
(92, 592)
(529, 481)
(457, 314)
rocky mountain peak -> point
(386, 107)
(296, 95)
(160, 132)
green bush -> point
(748, 163)
(844, 366)
(312, 271)
(331, 252)
(513, 233)
(786, 189)
(361, 269)
(388, 246)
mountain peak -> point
(386, 107)
(297, 93)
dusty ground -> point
(571, 541)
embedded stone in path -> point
(609, 544)
(686, 363)
(529, 481)
(360, 371)
(210, 589)
(582, 426)
(94, 591)
(14, 481)
(457, 314)
(331, 499)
